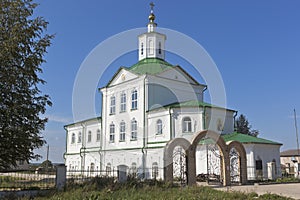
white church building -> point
(146, 105)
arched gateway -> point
(190, 151)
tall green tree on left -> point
(23, 45)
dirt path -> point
(288, 190)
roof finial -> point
(151, 16)
(151, 6)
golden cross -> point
(151, 6)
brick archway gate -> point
(190, 150)
(168, 158)
(225, 170)
(242, 159)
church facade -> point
(144, 107)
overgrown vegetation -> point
(106, 188)
(24, 43)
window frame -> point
(122, 131)
(142, 48)
(112, 130)
(89, 137)
(79, 140)
(73, 138)
(155, 170)
(186, 125)
(108, 169)
(159, 127)
(123, 102)
(112, 107)
(159, 48)
(133, 136)
(98, 136)
(134, 100)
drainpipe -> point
(82, 149)
(204, 118)
(234, 116)
(64, 156)
(144, 152)
(100, 147)
(171, 124)
(204, 109)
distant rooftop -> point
(289, 153)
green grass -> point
(106, 189)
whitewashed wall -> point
(127, 87)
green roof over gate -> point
(150, 66)
(242, 138)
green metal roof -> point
(150, 66)
(243, 138)
(191, 103)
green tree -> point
(243, 126)
(23, 44)
(46, 164)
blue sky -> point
(255, 45)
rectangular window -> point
(122, 131)
(187, 125)
(112, 133)
(258, 164)
(112, 105)
(73, 138)
(134, 100)
(159, 127)
(123, 102)
(89, 136)
(134, 130)
(98, 135)
(79, 137)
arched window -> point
(112, 105)
(79, 137)
(186, 125)
(122, 131)
(142, 49)
(73, 138)
(111, 133)
(92, 168)
(133, 169)
(159, 127)
(155, 170)
(133, 129)
(98, 135)
(159, 48)
(89, 139)
(151, 47)
(123, 102)
(134, 100)
(108, 169)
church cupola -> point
(152, 44)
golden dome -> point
(151, 17)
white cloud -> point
(55, 118)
